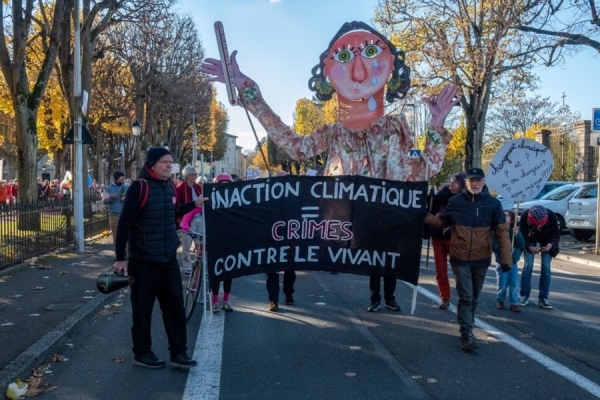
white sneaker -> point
(227, 307)
(215, 308)
(523, 301)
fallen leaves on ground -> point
(118, 360)
(44, 266)
(59, 358)
(108, 312)
(38, 288)
(4, 278)
(38, 382)
(63, 272)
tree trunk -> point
(25, 121)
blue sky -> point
(279, 41)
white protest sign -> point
(520, 169)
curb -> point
(578, 260)
(42, 350)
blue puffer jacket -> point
(518, 246)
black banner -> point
(350, 224)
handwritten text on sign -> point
(520, 169)
(346, 223)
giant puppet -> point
(359, 65)
(362, 67)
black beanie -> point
(118, 174)
(154, 154)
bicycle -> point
(194, 285)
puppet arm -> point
(437, 137)
(298, 147)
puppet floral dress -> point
(381, 151)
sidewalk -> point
(578, 252)
(43, 302)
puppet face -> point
(359, 65)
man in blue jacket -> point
(113, 196)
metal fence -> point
(30, 229)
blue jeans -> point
(507, 281)
(545, 275)
(469, 281)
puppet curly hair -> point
(397, 86)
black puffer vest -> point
(154, 235)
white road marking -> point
(535, 355)
(204, 381)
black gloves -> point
(505, 267)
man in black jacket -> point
(151, 233)
(539, 226)
(474, 215)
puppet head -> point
(358, 63)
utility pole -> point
(195, 141)
(79, 233)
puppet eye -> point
(371, 51)
(343, 56)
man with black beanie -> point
(150, 234)
(113, 197)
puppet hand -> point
(214, 67)
(505, 267)
(441, 105)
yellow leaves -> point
(457, 144)
(308, 117)
(530, 133)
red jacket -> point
(4, 193)
(183, 192)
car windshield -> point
(590, 192)
(560, 193)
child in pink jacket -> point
(187, 219)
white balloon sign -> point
(520, 169)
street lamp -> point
(136, 131)
(136, 128)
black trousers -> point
(389, 288)
(227, 283)
(289, 277)
(154, 281)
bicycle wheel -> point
(192, 290)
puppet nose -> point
(359, 73)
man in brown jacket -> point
(474, 214)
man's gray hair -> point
(188, 170)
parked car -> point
(507, 204)
(581, 214)
(556, 200)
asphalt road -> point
(328, 347)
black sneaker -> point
(289, 299)
(148, 360)
(468, 342)
(392, 305)
(373, 307)
(183, 361)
